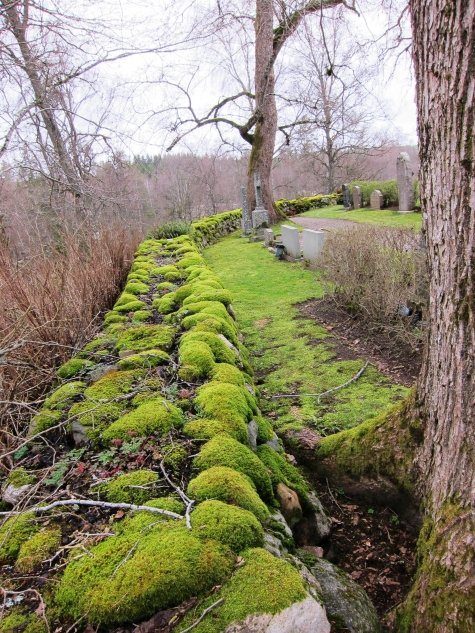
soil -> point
(353, 339)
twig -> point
(324, 393)
(99, 504)
(331, 495)
(186, 500)
(124, 560)
(204, 614)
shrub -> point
(299, 205)
(169, 230)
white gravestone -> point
(404, 183)
(291, 241)
(376, 199)
(356, 197)
(312, 244)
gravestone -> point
(312, 245)
(346, 197)
(246, 222)
(376, 199)
(356, 197)
(404, 183)
(291, 241)
(260, 215)
(269, 237)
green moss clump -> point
(158, 573)
(221, 352)
(132, 306)
(212, 308)
(168, 268)
(265, 431)
(222, 450)
(20, 477)
(150, 358)
(141, 520)
(166, 285)
(14, 533)
(138, 275)
(222, 401)
(205, 429)
(264, 584)
(223, 296)
(113, 317)
(136, 288)
(196, 360)
(223, 372)
(282, 471)
(142, 315)
(73, 367)
(152, 417)
(62, 397)
(119, 490)
(113, 385)
(172, 277)
(237, 528)
(145, 337)
(44, 420)
(124, 298)
(166, 304)
(207, 323)
(19, 619)
(229, 486)
(175, 457)
(189, 260)
(39, 547)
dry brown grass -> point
(372, 271)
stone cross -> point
(346, 196)
(246, 222)
(376, 199)
(260, 216)
(404, 183)
(258, 187)
(356, 197)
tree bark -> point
(443, 597)
(263, 141)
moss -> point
(62, 397)
(142, 315)
(113, 317)
(196, 360)
(150, 358)
(145, 337)
(138, 275)
(166, 285)
(113, 385)
(265, 431)
(229, 486)
(157, 573)
(119, 489)
(282, 471)
(152, 417)
(221, 353)
(223, 296)
(38, 548)
(264, 584)
(223, 372)
(166, 304)
(16, 531)
(187, 249)
(44, 420)
(207, 323)
(132, 306)
(237, 528)
(136, 288)
(97, 343)
(225, 402)
(172, 277)
(169, 268)
(223, 450)
(124, 298)
(20, 477)
(73, 367)
(190, 260)
(175, 457)
(19, 619)
(140, 520)
(213, 308)
(204, 429)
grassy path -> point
(384, 217)
(289, 353)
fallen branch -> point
(186, 500)
(98, 504)
(324, 393)
(204, 614)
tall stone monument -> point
(260, 216)
(356, 192)
(346, 197)
(246, 222)
(404, 183)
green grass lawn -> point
(292, 354)
(384, 217)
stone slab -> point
(291, 241)
(312, 244)
(269, 237)
(404, 183)
(356, 194)
(259, 217)
(376, 200)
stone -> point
(346, 196)
(79, 433)
(229, 345)
(345, 599)
(231, 312)
(252, 433)
(274, 444)
(321, 522)
(356, 193)
(260, 216)
(291, 241)
(313, 549)
(103, 370)
(14, 495)
(404, 183)
(273, 545)
(308, 616)
(312, 244)
(289, 504)
(246, 222)
(376, 199)
(269, 237)
(279, 517)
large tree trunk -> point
(443, 597)
(262, 151)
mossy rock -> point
(113, 385)
(208, 323)
(124, 298)
(136, 288)
(138, 275)
(263, 584)
(157, 416)
(166, 304)
(223, 296)
(196, 360)
(190, 259)
(168, 268)
(172, 277)
(38, 548)
(221, 352)
(145, 337)
(224, 372)
(150, 358)
(132, 306)
(142, 315)
(20, 477)
(44, 420)
(16, 531)
(229, 486)
(166, 285)
(114, 317)
(223, 401)
(213, 308)
(282, 471)
(265, 431)
(141, 521)
(205, 429)
(62, 397)
(119, 490)
(158, 573)
(21, 620)
(73, 367)
(237, 528)
(223, 450)
(175, 457)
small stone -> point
(79, 433)
(313, 549)
(252, 432)
(274, 444)
(279, 517)
(289, 504)
(101, 371)
(15, 495)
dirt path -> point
(317, 224)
